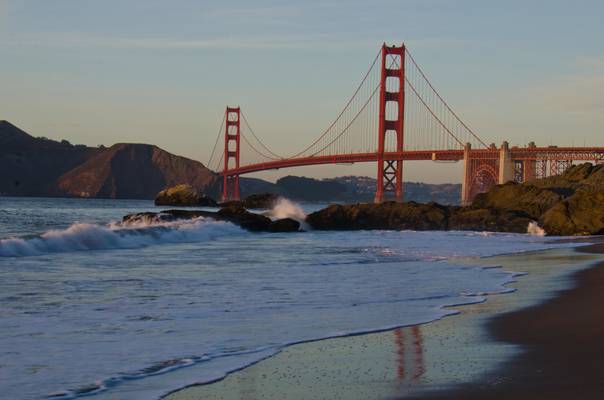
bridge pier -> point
(506, 165)
(466, 185)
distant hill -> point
(360, 189)
(133, 171)
(31, 166)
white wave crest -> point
(285, 208)
(85, 236)
(534, 229)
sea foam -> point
(86, 236)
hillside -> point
(30, 166)
(133, 171)
(349, 189)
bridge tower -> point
(230, 183)
(391, 121)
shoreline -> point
(396, 365)
(561, 341)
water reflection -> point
(409, 350)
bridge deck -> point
(523, 153)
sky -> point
(161, 72)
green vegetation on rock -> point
(183, 195)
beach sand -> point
(563, 346)
(489, 349)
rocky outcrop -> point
(579, 214)
(236, 215)
(184, 195)
(258, 201)
(388, 215)
(569, 204)
(488, 219)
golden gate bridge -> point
(394, 115)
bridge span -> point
(394, 115)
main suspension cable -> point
(257, 139)
(442, 100)
(343, 110)
(216, 143)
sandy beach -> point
(541, 341)
(562, 346)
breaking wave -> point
(285, 208)
(86, 236)
(534, 229)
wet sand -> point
(487, 344)
(563, 346)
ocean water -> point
(89, 307)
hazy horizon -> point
(152, 72)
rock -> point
(489, 219)
(580, 214)
(569, 204)
(388, 215)
(264, 200)
(527, 198)
(261, 201)
(237, 216)
(183, 195)
(164, 216)
(244, 218)
(284, 225)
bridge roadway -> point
(517, 153)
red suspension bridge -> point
(394, 115)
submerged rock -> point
(236, 215)
(183, 195)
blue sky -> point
(162, 72)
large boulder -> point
(489, 219)
(527, 198)
(257, 201)
(388, 215)
(284, 225)
(245, 219)
(580, 214)
(184, 195)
